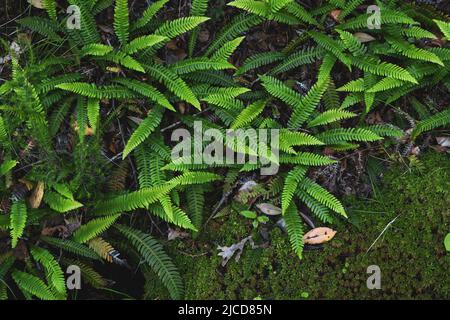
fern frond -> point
(102, 248)
(173, 82)
(7, 166)
(146, 90)
(59, 203)
(32, 285)
(93, 112)
(148, 14)
(319, 210)
(143, 42)
(194, 177)
(236, 27)
(304, 56)
(121, 22)
(99, 92)
(145, 128)
(88, 30)
(71, 246)
(248, 114)
(330, 116)
(259, 60)
(95, 49)
(444, 27)
(43, 26)
(153, 254)
(198, 64)
(301, 13)
(322, 195)
(196, 202)
(386, 130)
(50, 7)
(308, 104)
(124, 60)
(294, 228)
(53, 272)
(352, 43)
(131, 201)
(334, 136)
(291, 182)
(288, 139)
(353, 86)
(437, 120)
(94, 228)
(227, 49)
(411, 51)
(307, 159)
(385, 69)
(386, 84)
(174, 28)
(335, 47)
(18, 220)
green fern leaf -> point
(330, 116)
(290, 185)
(294, 228)
(60, 204)
(94, 228)
(18, 220)
(153, 254)
(32, 285)
(53, 272)
(437, 120)
(146, 127)
(121, 22)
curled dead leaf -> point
(443, 141)
(37, 195)
(36, 3)
(318, 235)
(364, 37)
(269, 209)
(335, 14)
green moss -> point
(410, 253)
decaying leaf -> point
(27, 183)
(443, 141)
(269, 209)
(364, 37)
(227, 252)
(248, 186)
(175, 233)
(37, 195)
(318, 235)
(36, 3)
(335, 14)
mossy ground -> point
(410, 254)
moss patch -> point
(410, 253)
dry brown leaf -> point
(335, 14)
(36, 3)
(269, 209)
(27, 183)
(36, 197)
(364, 37)
(318, 235)
(443, 141)
(203, 36)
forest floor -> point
(397, 223)
(400, 228)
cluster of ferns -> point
(69, 197)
